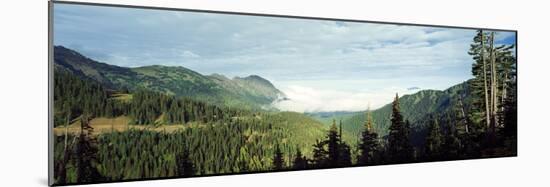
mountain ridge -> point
(251, 92)
(418, 108)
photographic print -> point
(151, 93)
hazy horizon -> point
(320, 65)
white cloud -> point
(307, 99)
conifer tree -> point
(409, 149)
(368, 144)
(481, 111)
(493, 102)
(278, 160)
(398, 140)
(333, 143)
(507, 113)
(344, 151)
(434, 140)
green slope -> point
(327, 117)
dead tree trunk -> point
(63, 165)
(494, 90)
(485, 89)
(463, 115)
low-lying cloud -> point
(307, 99)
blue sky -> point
(320, 65)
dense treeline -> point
(147, 108)
(329, 152)
(217, 141)
(74, 96)
(238, 145)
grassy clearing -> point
(122, 97)
(108, 125)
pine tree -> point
(508, 99)
(434, 140)
(481, 111)
(278, 160)
(344, 151)
(333, 143)
(494, 73)
(398, 140)
(493, 118)
(408, 147)
(368, 143)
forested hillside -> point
(417, 108)
(222, 139)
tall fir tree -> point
(278, 160)
(333, 143)
(408, 147)
(479, 84)
(344, 157)
(398, 140)
(493, 102)
(368, 144)
(434, 140)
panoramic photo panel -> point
(149, 93)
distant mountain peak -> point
(254, 77)
(257, 79)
